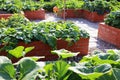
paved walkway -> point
(90, 27)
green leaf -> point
(113, 74)
(62, 53)
(91, 73)
(61, 68)
(28, 49)
(103, 68)
(36, 58)
(17, 52)
(28, 69)
(7, 70)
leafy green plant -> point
(115, 5)
(16, 20)
(70, 4)
(113, 19)
(99, 6)
(20, 51)
(100, 66)
(25, 69)
(11, 6)
(31, 5)
(48, 6)
(62, 53)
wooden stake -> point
(64, 10)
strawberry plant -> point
(113, 19)
(99, 6)
(31, 5)
(70, 4)
(9, 6)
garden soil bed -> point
(42, 49)
(109, 34)
(34, 15)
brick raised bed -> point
(91, 16)
(70, 13)
(94, 17)
(42, 49)
(5, 16)
(109, 34)
(34, 15)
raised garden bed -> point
(91, 16)
(42, 49)
(71, 13)
(5, 16)
(45, 36)
(109, 34)
(37, 14)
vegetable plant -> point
(113, 19)
(25, 69)
(11, 6)
(70, 4)
(48, 6)
(31, 5)
(97, 66)
(99, 6)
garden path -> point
(90, 27)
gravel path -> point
(90, 27)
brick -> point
(109, 34)
(5, 16)
(34, 15)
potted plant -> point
(7, 8)
(109, 30)
(33, 10)
(95, 10)
(45, 36)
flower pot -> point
(5, 16)
(109, 34)
(42, 49)
(34, 15)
